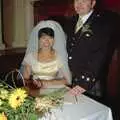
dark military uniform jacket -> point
(91, 48)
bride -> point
(45, 62)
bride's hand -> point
(77, 90)
(45, 83)
(37, 83)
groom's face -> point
(83, 7)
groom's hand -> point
(77, 90)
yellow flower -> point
(3, 116)
(17, 97)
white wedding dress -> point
(44, 70)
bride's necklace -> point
(46, 56)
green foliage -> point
(46, 102)
(26, 111)
(30, 108)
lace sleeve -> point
(28, 59)
(63, 71)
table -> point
(84, 109)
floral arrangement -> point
(45, 103)
(16, 104)
(86, 29)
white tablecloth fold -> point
(84, 109)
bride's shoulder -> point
(32, 55)
(58, 58)
(56, 55)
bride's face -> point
(46, 41)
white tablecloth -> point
(84, 109)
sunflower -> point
(3, 116)
(17, 97)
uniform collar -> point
(86, 16)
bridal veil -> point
(59, 45)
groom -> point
(92, 37)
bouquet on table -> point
(45, 103)
(17, 104)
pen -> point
(76, 100)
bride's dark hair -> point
(46, 31)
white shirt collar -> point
(85, 17)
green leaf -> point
(32, 116)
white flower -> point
(1, 102)
(86, 28)
(3, 94)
